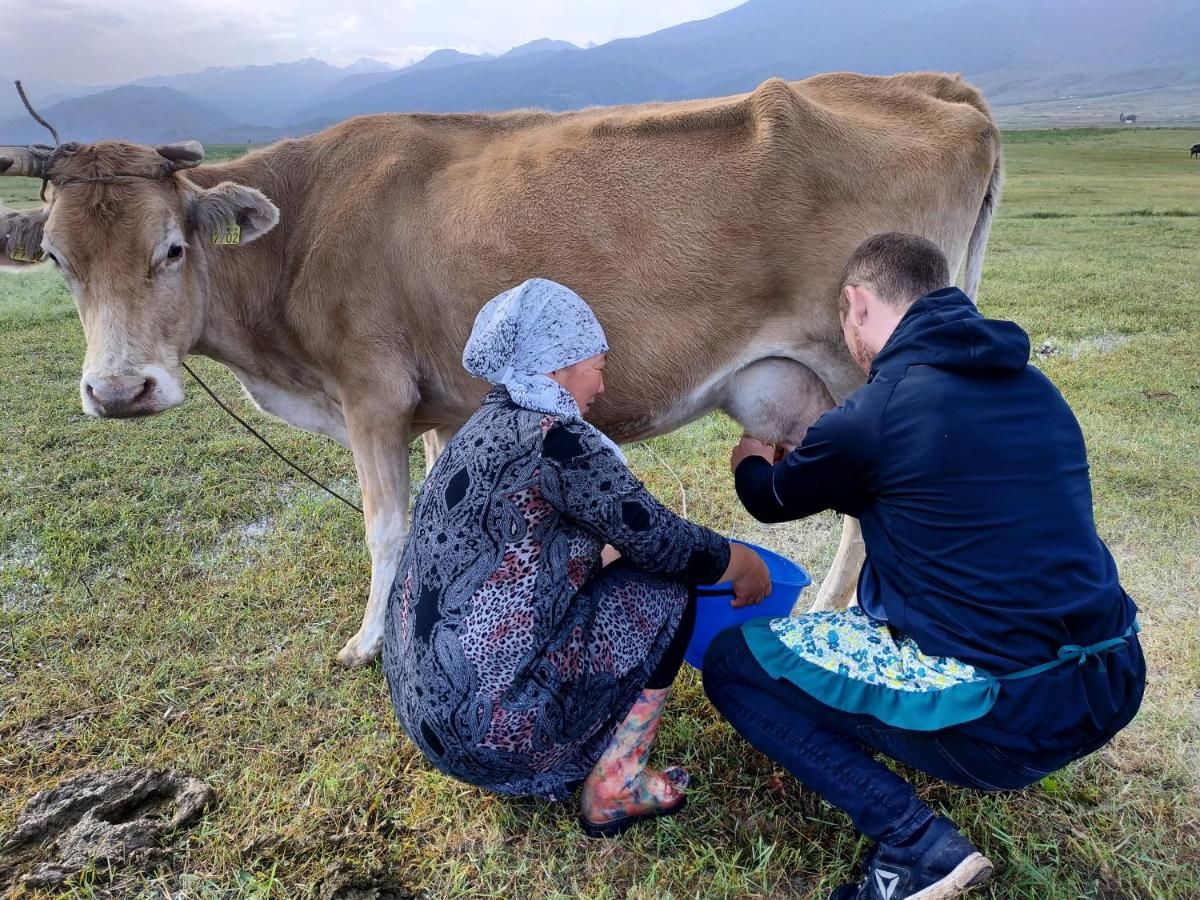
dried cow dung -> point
(105, 818)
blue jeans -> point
(833, 752)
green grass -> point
(170, 595)
(1086, 172)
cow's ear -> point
(231, 214)
(21, 236)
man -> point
(993, 643)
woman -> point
(516, 660)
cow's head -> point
(132, 237)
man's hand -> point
(748, 447)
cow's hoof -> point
(830, 600)
(358, 653)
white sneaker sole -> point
(971, 872)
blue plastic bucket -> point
(714, 614)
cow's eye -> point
(175, 251)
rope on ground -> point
(683, 509)
(267, 443)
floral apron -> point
(851, 662)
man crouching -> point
(993, 643)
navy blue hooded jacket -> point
(967, 471)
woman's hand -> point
(748, 447)
(749, 575)
(609, 555)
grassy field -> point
(171, 595)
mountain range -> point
(1022, 53)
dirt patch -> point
(352, 887)
(236, 548)
(343, 882)
(23, 573)
(256, 530)
(123, 818)
(1102, 344)
(23, 556)
(46, 734)
(367, 889)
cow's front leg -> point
(838, 586)
(379, 439)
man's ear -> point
(231, 214)
(856, 297)
(21, 236)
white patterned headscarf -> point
(535, 328)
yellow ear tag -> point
(18, 254)
(231, 235)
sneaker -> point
(941, 864)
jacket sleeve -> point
(832, 468)
(587, 484)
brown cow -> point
(708, 235)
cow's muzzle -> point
(119, 396)
(123, 396)
(139, 391)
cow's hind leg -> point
(435, 441)
(776, 400)
(837, 589)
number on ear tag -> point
(230, 235)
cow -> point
(337, 276)
(1195, 151)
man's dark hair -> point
(900, 268)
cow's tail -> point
(977, 246)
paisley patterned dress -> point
(511, 656)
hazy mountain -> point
(344, 87)
(265, 95)
(365, 65)
(734, 51)
(541, 45)
(41, 93)
(1005, 87)
(149, 115)
(361, 80)
(1032, 55)
(442, 59)
(551, 81)
(731, 52)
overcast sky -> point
(108, 42)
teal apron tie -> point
(1071, 652)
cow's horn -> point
(29, 161)
(184, 155)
